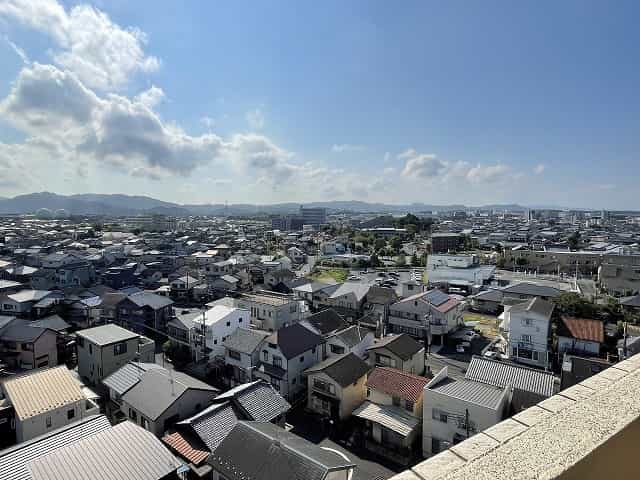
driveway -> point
(311, 428)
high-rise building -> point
(313, 216)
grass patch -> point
(331, 275)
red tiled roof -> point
(182, 447)
(585, 328)
(397, 383)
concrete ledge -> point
(573, 435)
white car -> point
(469, 335)
(353, 278)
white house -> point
(217, 324)
(432, 311)
(45, 400)
(456, 410)
(527, 327)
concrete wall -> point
(37, 425)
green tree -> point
(414, 260)
(374, 261)
(396, 243)
(574, 240)
(401, 261)
(379, 244)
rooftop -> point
(42, 391)
(397, 383)
(106, 334)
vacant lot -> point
(487, 324)
(330, 275)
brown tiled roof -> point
(585, 328)
(397, 383)
(183, 448)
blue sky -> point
(436, 102)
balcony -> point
(588, 431)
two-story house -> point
(527, 327)
(432, 312)
(285, 355)
(336, 386)
(163, 397)
(355, 339)
(398, 351)
(391, 416)
(25, 346)
(104, 349)
(46, 399)
(455, 410)
(271, 311)
(215, 325)
(144, 310)
(242, 354)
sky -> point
(530, 102)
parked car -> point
(353, 278)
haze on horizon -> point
(532, 103)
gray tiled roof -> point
(13, 461)
(213, 424)
(244, 340)
(524, 288)
(344, 369)
(326, 321)
(295, 340)
(158, 389)
(352, 335)
(402, 345)
(259, 400)
(275, 453)
(536, 305)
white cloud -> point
(425, 165)
(102, 54)
(255, 119)
(539, 169)
(346, 147)
(151, 97)
(488, 173)
(429, 166)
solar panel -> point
(436, 297)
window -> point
(48, 422)
(80, 341)
(324, 386)
(133, 415)
(396, 401)
(385, 361)
(275, 383)
(368, 392)
(27, 346)
(265, 355)
(439, 415)
(526, 338)
(408, 405)
(144, 423)
(277, 361)
(301, 358)
(313, 350)
(240, 320)
(527, 321)
(215, 342)
(90, 349)
(336, 349)
(535, 355)
(70, 414)
(228, 324)
(120, 348)
(235, 355)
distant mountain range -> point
(117, 205)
